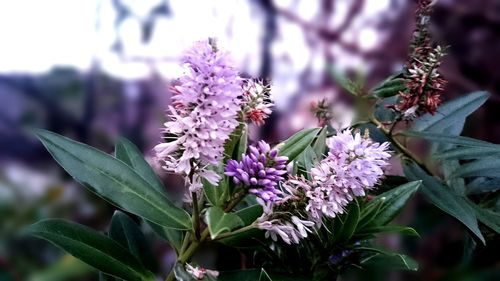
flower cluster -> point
(203, 115)
(260, 171)
(285, 218)
(353, 165)
(256, 100)
(199, 273)
(424, 84)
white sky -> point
(38, 35)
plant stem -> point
(196, 215)
(237, 231)
(405, 151)
(188, 252)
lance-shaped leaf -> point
(130, 155)
(444, 198)
(91, 247)
(297, 143)
(450, 112)
(392, 202)
(219, 222)
(114, 180)
(126, 232)
(486, 167)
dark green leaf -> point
(126, 232)
(319, 145)
(390, 261)
(393, 202)
(297, 143)
(249, 214)
(216, 194)
(92, 248)
(444, 198)
(469, 153)
(130, 155)
(388, 229)
(389, 88)
(487, 167)
(483, 185)
(219, 222)
(450, 112)
(349, 224)
(242, 143)
(173, 236)
(450, 139)
(488, 217)
(114, 181)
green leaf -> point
(114, 181)
(450, 139)
(297, 143)
(249, 214)
(219, 222)
(130, 155)
(389, 87)
(126, 232)
(92, 248)
(487, 167)
(392, 202)
(216, 195)
(349, 224)
(231, 147)
(483, 185)
(450, 112)
(173, 236)
(387, 229)
(390, 261)
(242, 143)
(469, 153)
(319, 145)
(444, 198)
(306, 161)
(488, 217)
(105, 277)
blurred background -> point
(94, 70)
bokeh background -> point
(94, 70)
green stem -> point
(237, 231)
(405, 151)
(187, 253)
(196, 215)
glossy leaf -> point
(483, 185)
(469, 153)
(297, 143)
(130, 155)
(450, 112)
(488, 217)
(114, 180)
(349, 223)
(219, 222)
(249, 214)
(450, 139)
(126, 232)
(216, 194)
(444, 198)
(392, 202)
(389, 87)
(388, 229)
(390, 261)
(319, 145)
(91, 247)
(486, 167)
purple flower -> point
(203, 115)
(260, 170)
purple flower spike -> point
(260, 170)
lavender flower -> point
(203, 115)
(353, 165)
(279, 220)
(260, 170)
